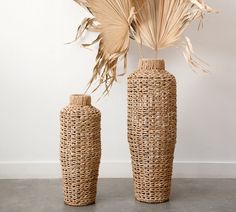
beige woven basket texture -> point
(152, 130)
(80, 150)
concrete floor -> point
(115, 195)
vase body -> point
(80, 150)
(152, 130)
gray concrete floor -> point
(115, 195)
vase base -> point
(79, 204)
(152, 201)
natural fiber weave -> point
(152, 130)
(80, 151)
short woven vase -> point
(80, 150)
(152, 130)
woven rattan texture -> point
(80, 151)
(152, 130)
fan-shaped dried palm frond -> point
(161, 23)
(113, 20)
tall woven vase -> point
(80, 150)
(152, 130)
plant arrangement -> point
(157, 24)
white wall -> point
(38, 73)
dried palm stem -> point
(83, 3)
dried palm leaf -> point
(113, 20)
(161, 23)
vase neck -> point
(80, 100)
(151, 64)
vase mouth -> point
(80, 99)
(151, 63)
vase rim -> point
(80, 99)
(151, 63)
